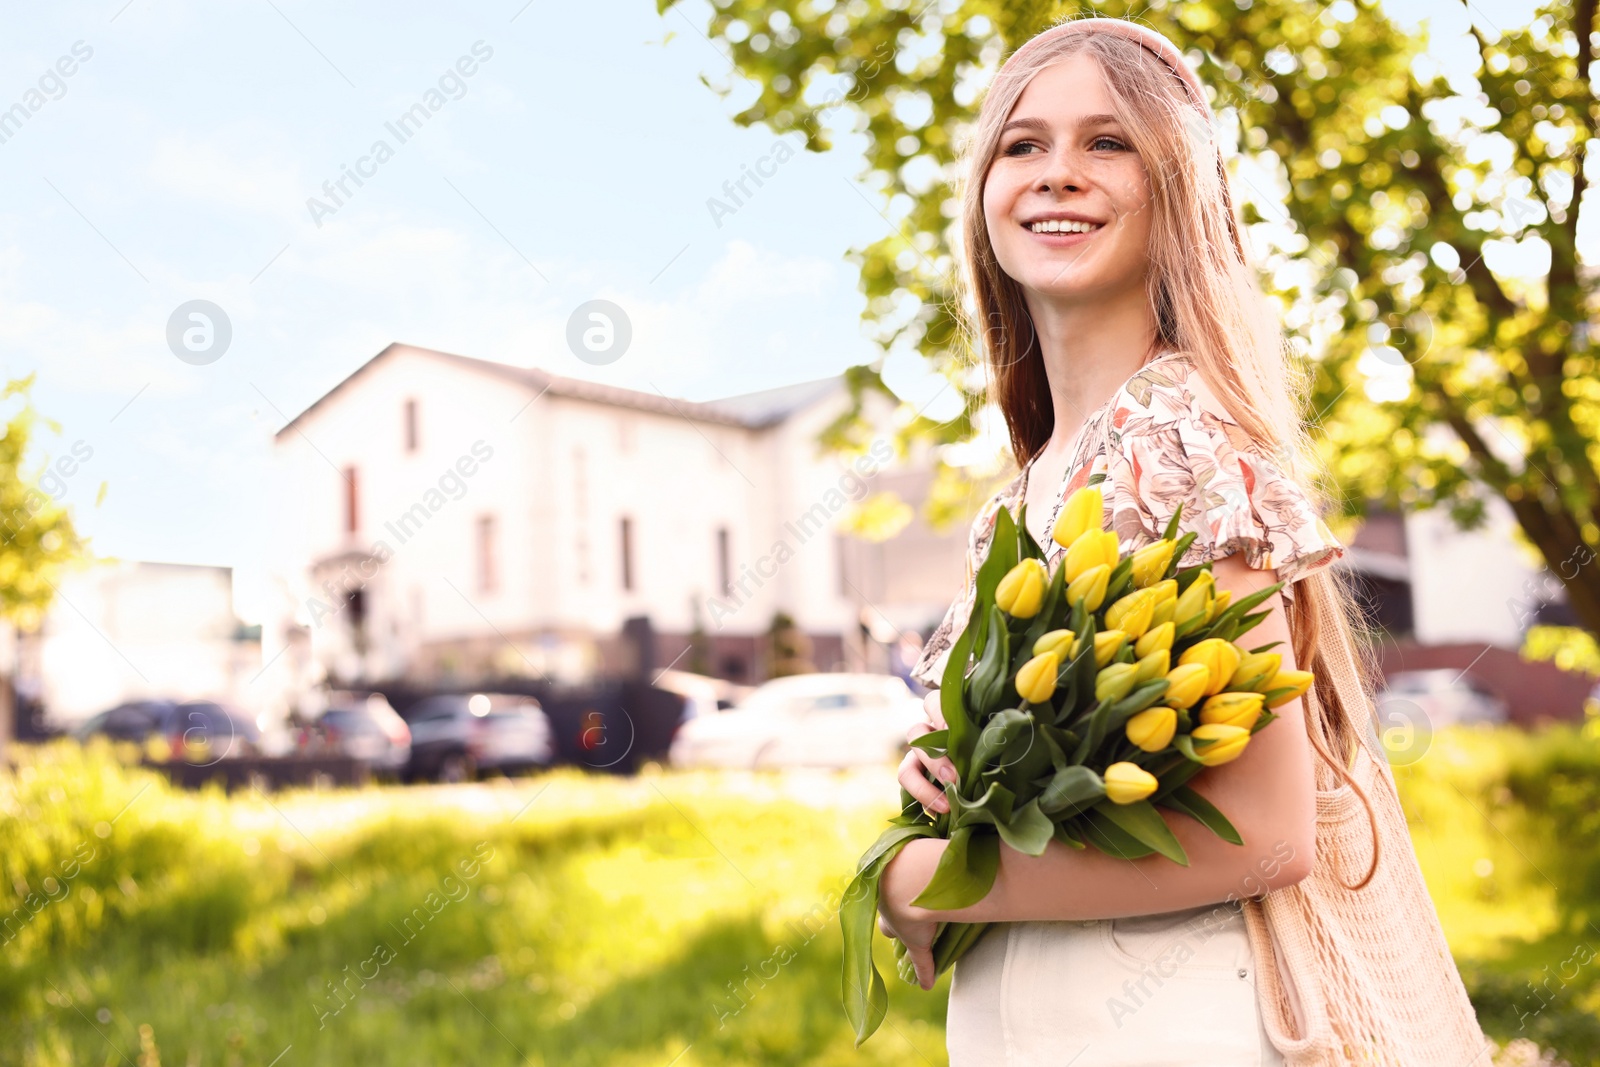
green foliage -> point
(37, 537)
(1401, 196)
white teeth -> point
(1064, 226)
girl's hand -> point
(911, 776)
(906, 876)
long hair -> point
(1207, 301)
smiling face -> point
(1062, 156)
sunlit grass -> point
(572, 918)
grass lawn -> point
(568, 918)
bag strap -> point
(1293, 1013)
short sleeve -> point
(1235, 499)
(929, 668)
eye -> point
(1104, 138)
(1016, 149)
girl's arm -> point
(1268, 793)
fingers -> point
(925, 792)
(930, 708)
(922, 960)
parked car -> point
(458, 736)
(818, 720)
(1444, 695)
(363, 726)
(196, 731)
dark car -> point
(456, 737)
(195, 731)
(362, 726)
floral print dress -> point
(1162, 440)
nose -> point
(1061, 173)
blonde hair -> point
(1207, 302)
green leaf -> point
(866, 1000)
(965, 873)
(1029, 830)
(1111, 839)
(1144, 823)
(933, 742)
(1071, 785)
(1202, 811)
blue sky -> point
(574, 163)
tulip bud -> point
(1235, 709)
(1115, 682)
(1036, 680)
(1106, 644)
(1153, 666)
(1226, 742)
(1131, 614)
(1063, 643)
(1084, 511)
(1150, 562)
(1255, 670)
(1151, 730)
(1127, 783)
(1090, 550)
(1154, 638)
(1163, 612)
(1219, 604)
(1300, 680)
(1021, 591)
(1195, 600)
(1220, 657)
(1186, 684)
(1090, 586)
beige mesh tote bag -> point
(1359, 975)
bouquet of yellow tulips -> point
(1076, 704)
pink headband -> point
(1158, 45)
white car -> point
(1441, 696)
(806, 720)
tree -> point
(37, 538)
(1448, 373)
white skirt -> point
(1174, 989)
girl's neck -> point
(1089, 351)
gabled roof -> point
(748, 410)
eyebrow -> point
(1040, 124)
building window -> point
(488, 559)
(411, 425)
(627, 553)
(724, 578)
(352, 513)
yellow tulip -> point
(1128, 782)
(1115, 682)
(1063, 643)
(1084, 511)
(1301, 680)
(1255, 670)
(1186, 684)
(1195, 600)
(1131, 614)
(1150, 562)
(1235, 709)
(1218, 604)
(1164, 611)
(1151, 730)
(1220, 657)
(1090, 550)
(1154, 638)
(1154, 665)
(1036, 681)
(1166, 591)
(1226, 742)
(1106, 644)
(1021, 591)
(1090, 586)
